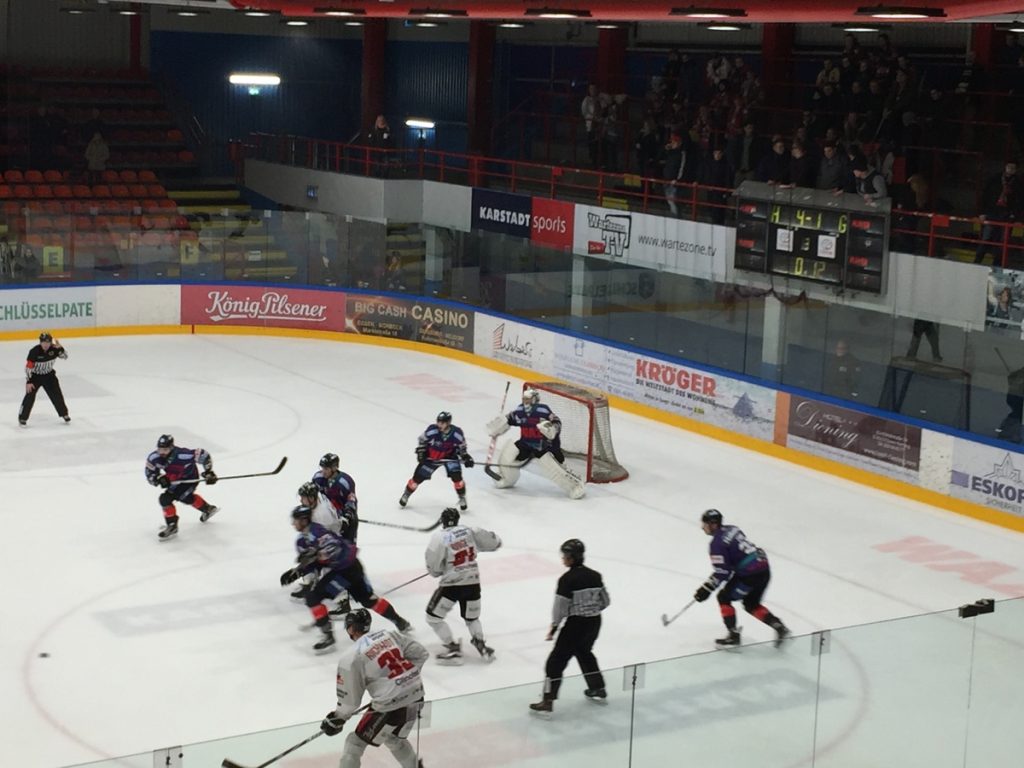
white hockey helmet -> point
(530, 396)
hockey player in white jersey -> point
(342, 523)
(386, 664)
(539, 439)
(451, 556)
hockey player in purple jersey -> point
(171, 467)
(337, 486)
(539, 438)
(442, 444)
(333, 561)
(741, 570)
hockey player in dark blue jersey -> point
(741, 570)
(337, 486)
(171, 467)
(334, 562)
(539, 439)
(442, 444)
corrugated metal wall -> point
(429, 80)
(39, 34)
(318, 96)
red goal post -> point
(586, 428)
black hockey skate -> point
(66, 419)
(402, 625)
(169, 531)
(781, 633)
(543, 707)
(485, 650)
(207, 512)
(596, 695)
(729, 641)
(23, 422)
(451, 656)
(404, 500)
(342, 608)
(325, 643)
(463, 506)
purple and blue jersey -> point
(318, 547)
(179, 464)
(340, 490)
(527, 420)
(732, 554)
(443, 446)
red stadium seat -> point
(82, 190)
(6, 193)
(147, 177)
(22, 191)
(119, 190)
(53, 177)
(62, 191)
(34, 177)
(53, 207)
(129, 177)
(139, 190)
(14, 177)
(43, 191)
(110, 177)
(101, 190)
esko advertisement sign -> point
(398, 318)
(253, 305)
(857, 439)
(987, 475)
(688, 247)
(44, 308)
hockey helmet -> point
(444, 417)
(573, 548)
(359, 619)
(530, 396)
(165, 441)
(711, 516)
(309, 491)
(450, 517)
(44, 336)
(302, 512)
(330, 460)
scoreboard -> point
(810, 234)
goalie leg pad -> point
(561, 477)
(509, 473)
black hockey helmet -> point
(165, 441)
(44, 336)
(574, 549)
(444, 416)
(359, 619)
(302, 511)
(711, 516)
(330, 460)
(450, 517)
(309, 490)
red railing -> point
(920, 232)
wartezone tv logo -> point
(614, 229)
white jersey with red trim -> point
(451, 554)
(385, 663)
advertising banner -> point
(706, 397)
(501, 212)
(688, 247)
(400, 318)
(857, 439)
(581, 362)
(987, 475)
(551, 223)
(1004, 300)
(271, 307)
(44, 308)
(515, 343)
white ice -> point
(152, 644)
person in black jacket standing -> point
(579, 599)
(39, 373)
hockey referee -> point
(579, 599)
(39, 373)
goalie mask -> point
(530, 397)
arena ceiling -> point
(665, 11)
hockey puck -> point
(44, 655)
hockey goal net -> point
(586, 428)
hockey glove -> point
(703, 593)
(163, 481)
(468, 461)
(210, 477)
(292, 574)
(421, 454)
(332, 724)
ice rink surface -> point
(150, 644)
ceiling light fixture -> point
(1015, 26)
(695, 12)
(295, 23)
(254, 78)
(427, 24)
(898, 12)
(419, 122)
(437, 13)
(606, 25)
(189, 12)
(340, 12)
(723, 26)
(353, 23)
(258, 14)
(512, 24)
(558, 13)
(77, 10)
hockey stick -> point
(666, 620)
(226, 763)
(402, 527)
(235, 477)
(312, 625)
(494, 440)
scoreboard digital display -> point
(812, 235)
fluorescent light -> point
(558, 13)
(606, 25)
(190, 12)
(296, 23)
(353, 23)
(900, 12)
(253, 78)
(512, 25)
(723, 26)
(426, 24)
(696, 12)
(258, 14)
(437, 13)
(342, 12)
(419, 122)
